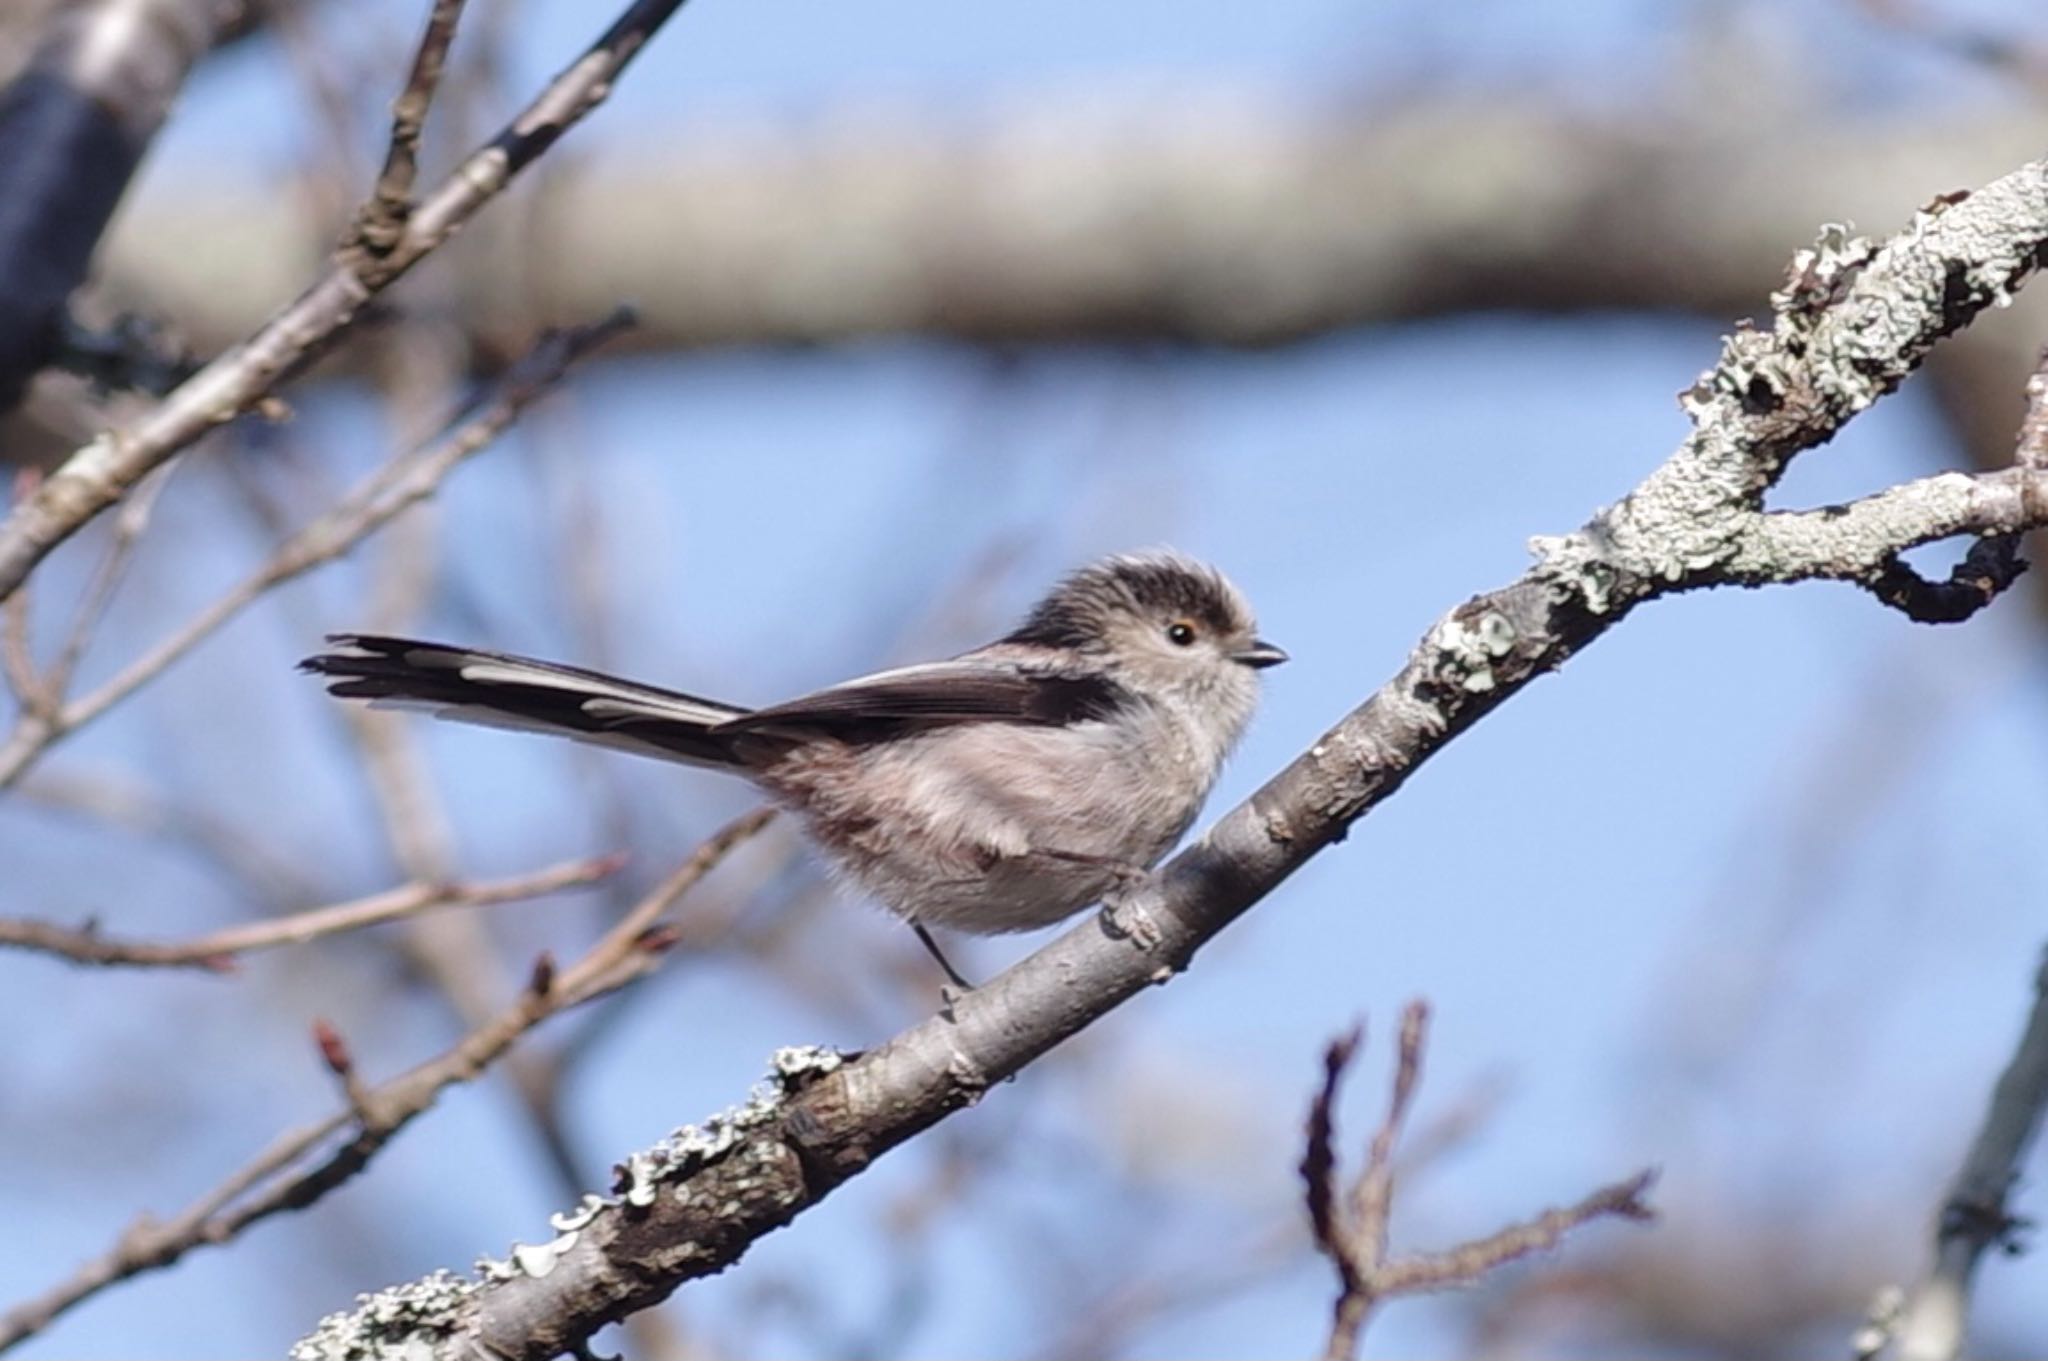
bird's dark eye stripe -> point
(1180, 633)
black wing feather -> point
(939, 695)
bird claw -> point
(1125, 917)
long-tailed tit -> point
(1003, 790)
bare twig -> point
(381, 223)
(128, 530)
(1975, 1218)
(217, 950)
(288, 1175)
(335, 1053)
(1356, 1243)
(1372, 1199)
(398, 485)
(99, 474)
(1855, 320)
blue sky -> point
(1746, 892)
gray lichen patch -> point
(692, 1147)
(412, 1322)
(402, 1323)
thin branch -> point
(1356, 1243)
(103, 471)
(1372, 1200)
(1467, 1262)
(381, 222)
(217, 950)
(289, 1176)
(1319, 1157)
(398, 485)
(1975, 1217)
(129, 526)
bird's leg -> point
(1120, 915)
(924, 938)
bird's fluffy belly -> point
(941, 834)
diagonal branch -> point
(217, 950)
(305, 1164)
(1852, 322)
(392, 489)
(99, 474)
(1975, 1216)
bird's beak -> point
(1260, 655)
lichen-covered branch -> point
(1853, 320)
(305, 1164)
(99, 474)
(1975, 1216)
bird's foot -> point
(1124, 913)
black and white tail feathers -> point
(496, 689)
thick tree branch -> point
(217, 950)
(103, 471)
(74, 124)
(1975, 1217)
(1852, 321)
(305, 1164)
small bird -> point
(1003, 790)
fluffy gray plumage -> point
(1002, 790)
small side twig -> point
(380, 223)
(293, 1173)
(1993, 562)
(1354, 1238)
(217, 950)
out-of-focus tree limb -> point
(1975, 1216)
(1852, 321)
(1194, 215)
(99, 474)
(218, 950)
(75, 121)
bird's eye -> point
(1180, 633)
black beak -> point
(1260, 655)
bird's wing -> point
(937, 694)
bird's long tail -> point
(498, 690)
